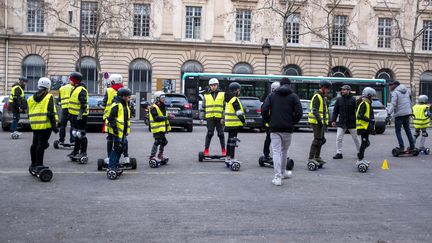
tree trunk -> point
(98, 69)
(285, 42)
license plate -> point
(250, 120)
(96, 111)
(173, 111)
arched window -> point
(33, 67)
(242, 68)
(140, 73)
(292, 70)
(426, 84)
(88, 70)
(191, 66)
(341, 72)
(386, 74)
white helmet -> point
(115, 79)
(423, 99)
(213, 81)
(275, 85)
(44, 83)
(369, 92)
(157, 95)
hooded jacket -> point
(282, 110)
(400, 102)
(345, 109)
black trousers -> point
(232, 134)
(213, 123)
(364, 144)
(39, 144)
(81, 140)
(267, 142)
(160, 141)
(110, 146)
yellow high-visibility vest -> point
(111, 94)
(38, 113)
(13, 90)
(214, 107)
(324, 115)
(360, 124)
(65, 92)
(420, 119)
(231, 119)
(155, 126)
(74, 103)
(119, 120)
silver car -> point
(304, 123)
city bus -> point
(195, 84)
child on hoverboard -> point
(422, 115)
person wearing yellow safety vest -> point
(365, 122)
(115, 82)
(213, 105)
(43, 120)
(64, 95)
(78, 109)
(17, 103)
(159, 125)
(234, 120)
(422, 115)
(318, 119)
(118, 127)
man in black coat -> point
(344, 118)
(281, 110)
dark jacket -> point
(38, 97)
(236, 105)
(112, 118)
(82, 98)
(155, 115)
(282, 110)
(345, 109)
(361, 116)
(18, 102)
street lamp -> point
(266, 49)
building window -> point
(141, 20)
(426, 84)
(89, 17)
(193, 22)
(384, 32)
(243, 68)
(88, 70)
(191, 66)
(70, 17)
(140, 76)
(33, 67)
(292, 70)
(386, 74)
(35, 16)
(427, 35)
(243, 24)
(339, 30)
(341, 72)
(293, 28)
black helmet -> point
(124, 92)
(234, 86)
(75, 77)
(325, 84)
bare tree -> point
(408, 30)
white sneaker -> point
(287, 174)
(126, 160)
(277, 181)
(106, 160)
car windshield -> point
(175, 99)
(376, 104)
(250, 102)
(95, 101)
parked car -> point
(178, 105)
(252, 108)
(304, 123)
(380, 114)
(3, 99)
(7, 115)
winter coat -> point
(282, 110)
(400, 102)
(345, 109)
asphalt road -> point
(188, 201)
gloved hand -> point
(55, 129)
(80, 116)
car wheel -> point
(189, 128)
(380, 130)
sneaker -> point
(18, 133)
(320, 160)
(206, 152)
(277, 181)
(126, 160)
(338, 156)
(287, 174)
(80, 155)
(72, 154)
(106, 160)
(223, 152)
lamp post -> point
(265, 49)
(80, 38)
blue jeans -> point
(403, 121)
(118, 148)
(15, 120)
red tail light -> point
(259, 110)
(188, 106)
